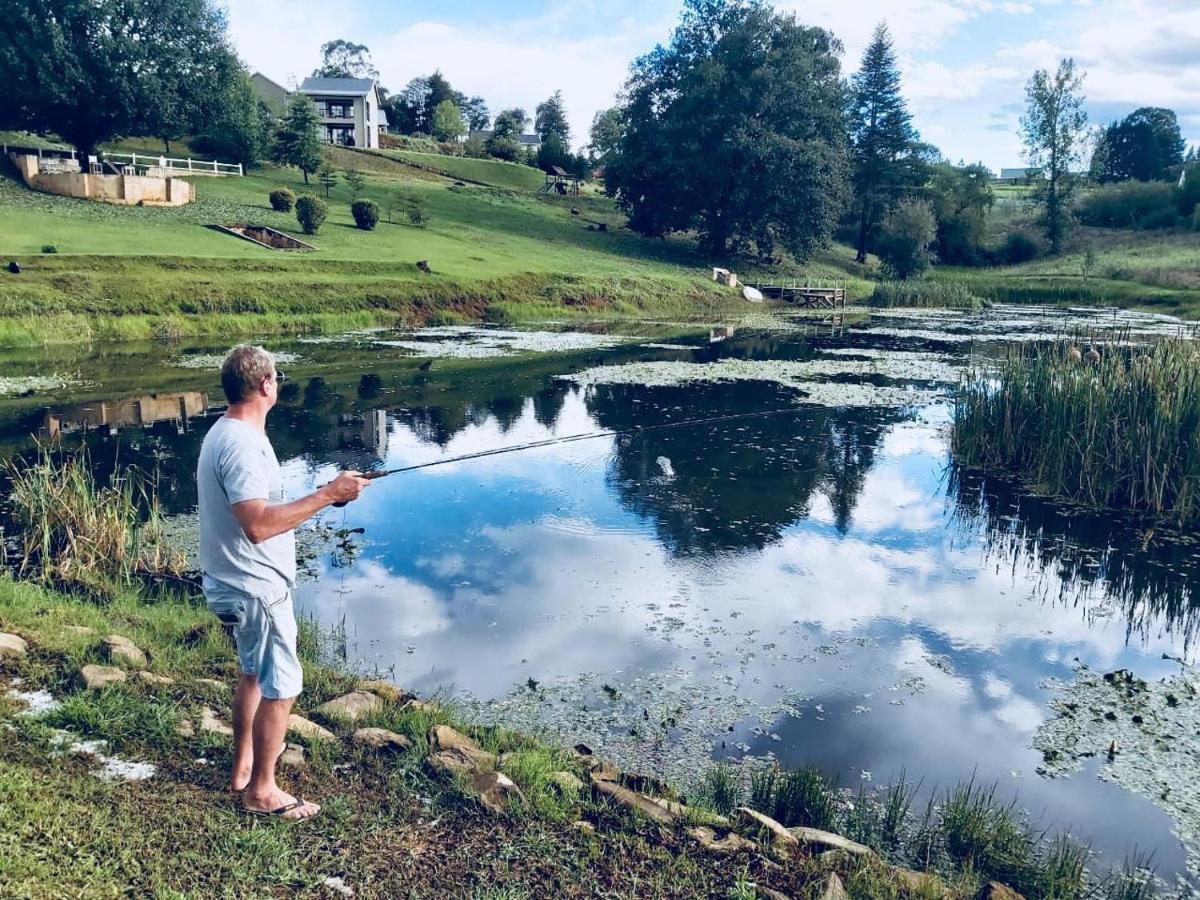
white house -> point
(350, 109)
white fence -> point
(172, 166)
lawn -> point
(494, 172)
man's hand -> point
(346, 487)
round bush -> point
(1018, 247)
(282, 200)
(310, 213)
(366, 213)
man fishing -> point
(248, 560)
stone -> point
(338, 886)
(630, 800)
(770, 893)
(920, 883)
(497, 792)
(385, 689)
(567, 782)
(308, 730)
(829, 839)
(461, 759)
(123, 650)
(97, 678)
(420, 705)
(185, 728)
(350, 707)
(994, 890)
(12, 646)
(832, 888)
(731, 843)
(292, 757)
(210, 723)
(154, 680)
(443, 737)
(781, 838)
(382, 739)
(212, 685)
(81, 630)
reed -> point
(72, 530)
(924, 294)
(1100, 422)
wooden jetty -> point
(806, 295)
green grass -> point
(923, 293)
(494, 172)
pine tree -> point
(551, 119)
(886, 148)
(296, 141)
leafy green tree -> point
(506, 132)
(605, 137)
(553, 152)
(961, 197)
(551, 119)
(406, 108)
(328, 179)
(93, 70)
(1052, 131)
(448, 122)
(439, 91)
(345, 59)
(735, 129)
(296, 141)
(356, 180)
(1145, 146)
(242, 130)
(476, 113)
(887, 152)
(905, 238)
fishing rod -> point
(572, 438)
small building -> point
(1019, 176)
(525, 141)
(274, 96)
(351, 110)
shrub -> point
(905, 239)
(49, 248)
(1196, 219)
(1188, 196)
(282, 200)
(366, 214)
(924, 294)
(1131, 204)
(416, 216)
(1018, 247)
(310, 213)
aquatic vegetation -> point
(922, 294)
(798, 797)
(214, 360)
(1114, 428)
(467, 342)
(21, 385)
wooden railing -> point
(173, 166)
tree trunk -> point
(167, 146)
(861, 256)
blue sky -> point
(964, 61)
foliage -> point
(328, 178)
(161, 68)
(475, 111)
(1018, 247)
(608, 127)
(448, 122)
(905, 238)
(345, 59)
(887, 154)
(721, 788)
(310, 213)
(356, 181)
(282, 200)
(796, 797)
(1141, 205)
(1083, 425)
(961, 196)
(296, 141)
(928, 294)
(49, 248)
(242, 128)
(1052, 130)
(735, 129)
(553, 152)
(1143, 146)
(506, 133)
(365, 213)
(550, 120)
(1189, 193)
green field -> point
(494, 172)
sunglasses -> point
(280, 377)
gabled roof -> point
(355, 86)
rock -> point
(423, 265)
(350, 707)
(338, 886)
(443, 737)
(212, 685)
(829, 839)
(781, 838)
(292, 757)
(630, 800)
(14, 267)
(123, 650)
(920, 883)
(832, 888)
(385, 689)
(770, 893)
(462, 759)
(420, 705)
(185, 728)
(96, 678)
(12, 646)
(496, 791)
(382, 739)
(994, 890)
(731, 843)
(596, 766)
(310, 731)
(81, 630)
(154, 680)
(210, 723)
(567, 782)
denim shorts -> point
(264, 631)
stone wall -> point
(128, 190)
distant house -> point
(350, 109)
(1016, 176)
(273, 95)
(525, 141)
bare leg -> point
(245, 705)
(270, 726)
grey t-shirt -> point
(237, 463)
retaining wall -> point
(127, 190)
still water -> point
(817, 584)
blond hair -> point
(245, 368)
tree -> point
(345, 59)
(553, 152)
(476, 112)
(328, 179)
(93, 70)
(406, 108)
(1052, 131)
(439, 91)
(448, 122)
(961, 197)
(906, 236)
(296, 141)
(551, 119)
(886, 148)
(242, 130)
(356, 180)
(1145, 145)
(605, 137)
(735, 129)
(506, 133)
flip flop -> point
(281, 812)
(282, 750)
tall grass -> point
(72, 530)
(925, 294)
(1109, 425)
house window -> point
(337, 109)
(339, 134)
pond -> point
(806, 578)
